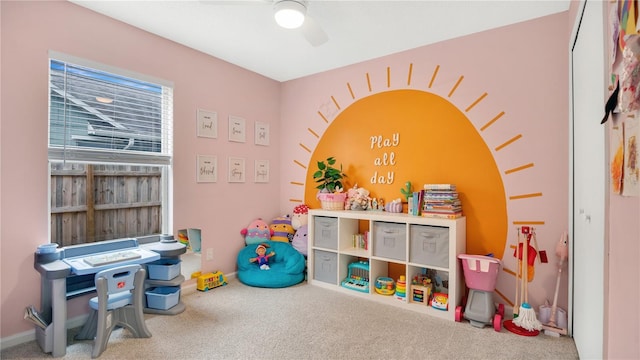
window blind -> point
(101, 114)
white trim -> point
(30, 335)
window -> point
(110, 152)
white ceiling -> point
(243, 32)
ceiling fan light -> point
(289, 13)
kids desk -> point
(69, 272)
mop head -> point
(527, 318)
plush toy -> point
(299, 241)
(357, 199)
(263, 258)
(300, 216)
(258, 231)
(395, 206)
(281, 229)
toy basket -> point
(332, 201)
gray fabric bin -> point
(325, 232)
(429, 245)
(325, 266)
(389, 240)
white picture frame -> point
(237, 129)
(207, 124)
(261, 171)
(207, 169)
(236, 170)
(261, 134)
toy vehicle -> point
(209, 281)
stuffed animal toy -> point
(263, 258)
(395, 206)
(300, 216)
(281, 229)
(299, 241)
(257, 232)
(357, 199)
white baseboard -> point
(30, 335)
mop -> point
(527, 316)
(525, 323)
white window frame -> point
(164, 159)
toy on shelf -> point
(440, 301)
(401, 288)
(395, 206)
(385, 286)
(480, 275)
(209, 281)
(358, 277)
(421, 289)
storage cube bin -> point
(325, 266)
(164, 269)
(389, 240)
(325, 232)
(429, 245)
(163, 298)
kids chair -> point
(119, 303)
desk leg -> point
(59, 316)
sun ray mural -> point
(422, 132)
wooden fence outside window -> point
(91, 203)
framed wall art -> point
(207, 169)
(262, 134)
(207, 124)
(237, 129)
(236, 170)
(261, 171)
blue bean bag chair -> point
(286, 267)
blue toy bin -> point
(163, 298)
(164, 269)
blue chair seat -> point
(115, 301)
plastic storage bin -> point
(164, 269)
(325, 266)
(389, 240)
(163, 298)
(325, 232)
(429, 245)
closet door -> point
(589, 177)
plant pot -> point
(332, 201)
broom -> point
(527, 316)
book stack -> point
(361, 241)
(441, 201)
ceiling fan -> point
(292, 14)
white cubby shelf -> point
(409, 242)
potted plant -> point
(329, 180)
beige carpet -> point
(306, 322)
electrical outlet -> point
(209, 254)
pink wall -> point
(29, 31)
